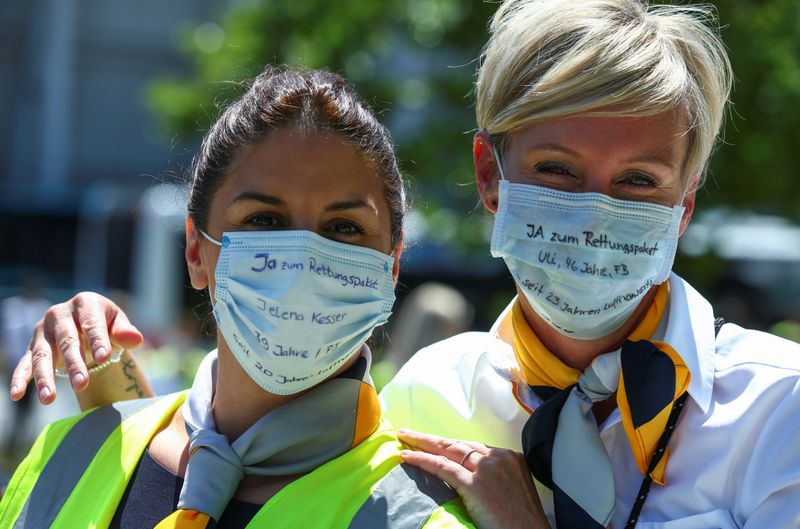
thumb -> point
(124, 334)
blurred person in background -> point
(18, 316)
(295, 221)
(607, 377)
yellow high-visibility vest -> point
(78, 469)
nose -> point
(305, 221)
(596, 182)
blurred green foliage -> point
(414, 61)
(756, 168)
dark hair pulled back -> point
(309, 100)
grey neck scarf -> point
(295, 438)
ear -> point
(486, 173)
(688, 203)
(194, 257)
(398, 251)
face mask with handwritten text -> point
(583, 260)
(293, 306)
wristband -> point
(115, 357)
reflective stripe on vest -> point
(78, 447)
(405, 498)
(89, 456)
(81, 481)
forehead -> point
(623, 137)
(292, 163)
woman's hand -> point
(494, 483)
(87, 319)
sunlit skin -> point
(291, 180)
(628, 158)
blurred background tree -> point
(757, 168)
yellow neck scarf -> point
(540, 367)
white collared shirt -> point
(735, 453)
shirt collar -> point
(689, 330)
(502, 328)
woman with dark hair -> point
(294, 226)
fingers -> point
(22, 376)
(41, 355)
(458, 451)
(436, 444)
(93, 315)
(495, 484)
(104, 325)
(458, 477)
(122, 332)
(61, 336)
(88, 319)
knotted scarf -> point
(295, 438)
(561, 440)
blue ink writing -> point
(327, 319)
(289, 351)
(346, 280)
(268, 263)
(276, 312)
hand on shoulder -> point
(494, 483)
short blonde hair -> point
(549, 59)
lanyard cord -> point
(677, 407)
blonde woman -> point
(607, 378)
(597, 119)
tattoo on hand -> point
(130, 365)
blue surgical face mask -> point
(294, 306)
(584, 261)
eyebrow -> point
(649, 157)
(351, 204)
(652, 158)
(552, 147)
(275, 201)
(259, 197)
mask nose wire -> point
(218, 243)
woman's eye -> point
(553, 168)
(263, 220)
(641, 179)
(345, 228)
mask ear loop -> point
(209, 237)
(499, 161)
